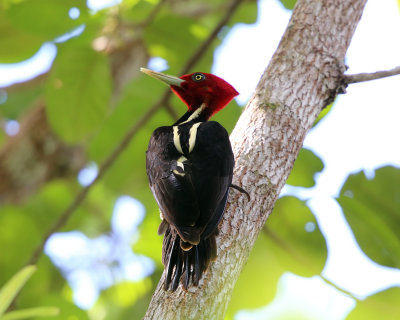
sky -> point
(358, 134)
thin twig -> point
(65, 215)
(361, 77)
(152, 15)
(200, 51)
(346, 292)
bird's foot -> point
(240, 189)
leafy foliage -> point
(78, 92)
(45, 18)
(26, 25)
(374, 204)
(88, 103)
(382, 305)
(288, 4)
(13, 286)
(9, 291)
(323, 113)
(304, 169)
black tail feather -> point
(197, 268)
(172, 260)
(178, 269)
(187, 273)
(183, 266)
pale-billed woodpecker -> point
(190, 167)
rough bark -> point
(304, 75)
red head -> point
(197, 89)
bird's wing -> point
(212, 162)
(172, 185)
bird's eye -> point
(198, 77)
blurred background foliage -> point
(72, 118)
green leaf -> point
(19, 98)
(295, 238)
(372, 208)
(162, 40)
(31, 313)
(306, 166)
(78, 92)
(288, 4)
(46, 279)
(137, 98)
(246, 13)
(47, 204)
(68, 310)
(16, 45)
(12, 240)
(126, 293)
(323, 113)
(149, 242)
(382, 305)
(13, 286)
(284, 245)
(46, 18)
(136, 11)
(128, 174)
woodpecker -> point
(190, 166)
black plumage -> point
(192, 199)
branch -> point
(153, 14)
(362, 77)
(346, 292)
(164, 101)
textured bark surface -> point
(304, 75)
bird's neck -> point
(200, 114)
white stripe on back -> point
(177, 140)
(193, 135)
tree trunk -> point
(304, 76)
